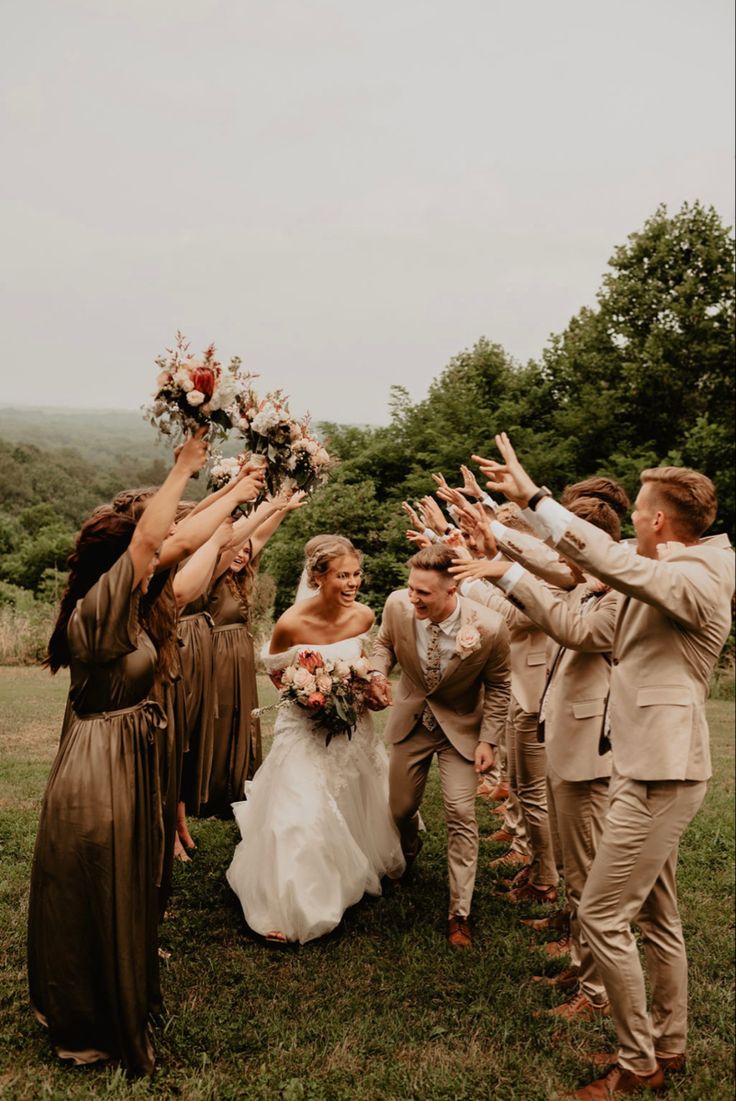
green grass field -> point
(381, 1010)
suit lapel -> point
(411, 665)
(455, 659)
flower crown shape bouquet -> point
(296, 458)
(192, 392)
(332, 692)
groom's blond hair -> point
(438, 557)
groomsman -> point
(670, 628)
(452, 701)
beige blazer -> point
(532, 552)
(528, 646)
(581, 638)
(471, 701)
(670, 629)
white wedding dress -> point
(317, 833)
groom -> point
(452, 700)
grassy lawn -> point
(381, 1010)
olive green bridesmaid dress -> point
(198, 686)
(236, 749)
(92, 937)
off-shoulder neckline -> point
(316, 645)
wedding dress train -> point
(317, 833)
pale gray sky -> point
(344, 193)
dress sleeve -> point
(104, 624)
(272, 663)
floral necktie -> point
(433, 675)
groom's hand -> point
(483, 757)
(378, 695)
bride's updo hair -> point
(320, 551)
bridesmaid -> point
(92, 929)
(193, 528)
(237, 749)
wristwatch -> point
(538, 496)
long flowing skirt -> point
(316, 827)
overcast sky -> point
(344, 193)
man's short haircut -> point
(599, 513)
(438, 557)
(688, 497)
(605, 489)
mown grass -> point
(382, 1009)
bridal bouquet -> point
(225, 470)
(192, 393)
(296, 458)
(332, 692)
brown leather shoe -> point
(566, 980)
(529, 892)
(672, 1064)
(510, 859)
(578, 1008)
(560, 919)
(500, 810)
(557, 948)
(498, 794)
(500, 836)
(458, 932)
(621, 1083)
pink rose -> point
(467, 640)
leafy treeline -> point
(646, 377)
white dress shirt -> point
(448, 631)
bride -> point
(317, 833)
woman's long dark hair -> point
(104, 537)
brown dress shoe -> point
(566, 980)
(500, 810)
(510, 859)
(501, 836)
(578, 1008)
(557, 948)
(458, 932)
(672, 1064)
(621, 1083)
(529, 892)
(560, 919)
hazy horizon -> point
(344, 199)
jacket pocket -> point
(587, 709)
(655, 694)
(538, 657)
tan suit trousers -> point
(579, 811)
(513, 818)
(530, 778)
(409, 764)
(633, 879)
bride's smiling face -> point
(342, 580)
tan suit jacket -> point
(575, 700)
(471, 701)
(670, 629)
(531, 551)
(528, 646)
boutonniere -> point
(467, 641)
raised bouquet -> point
(195, 392)
(332, 692)
(296, 458)
(224, 470)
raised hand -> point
(471, 487)
(509, 477)
(414, 520)
(248, 486)
(479, 568)
(452, 496)
(433, 515)
(192, 455)
(474, 522)
(418, 538)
